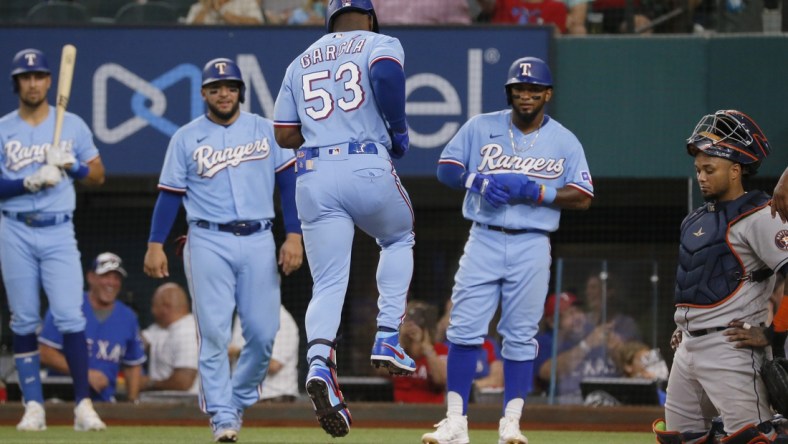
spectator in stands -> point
(427, 384)
(313, 12)
(603, 305)
(172, 342)
(583, 350)
(225, 12)
(281, 381)
(112, 333)
(577, 15)
(637, 360)
(525, 12)
(614, 18)
(423, 12)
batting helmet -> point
(28, 60)
(223, 69)
(732, 135)
(530, 70)
(337, 7)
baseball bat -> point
(68, 58)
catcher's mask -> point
(732, 135)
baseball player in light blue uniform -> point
(223, 167)
(113, 331)
(38, 246)
(520, 168)
(342, 103)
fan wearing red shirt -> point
(530, 12)
(416, 335)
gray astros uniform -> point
(759, 242)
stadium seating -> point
(15, 11)
(104, 10)
(58, 12)
(150, 13)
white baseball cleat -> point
(34, 419)
(509, 432)
(453, 429)
(85, 417)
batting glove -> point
(494, 193)
(45, 177)
(521, 186)
(60, 158)
(400, 144)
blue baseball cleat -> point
(387, 353)
(330, 408)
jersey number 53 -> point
(349, 75)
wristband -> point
(78, 170)
(546, 195)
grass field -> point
(293, 435)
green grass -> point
(293, 435)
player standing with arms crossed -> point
(38, 246)
(732, 251)
(520, 167)
(223, 167)
(343, 100)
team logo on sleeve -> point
(781, 240)
(585, 175)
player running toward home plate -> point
(342, 102)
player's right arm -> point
(164, 213)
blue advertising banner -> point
(135, 86)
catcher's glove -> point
(775, 376)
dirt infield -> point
(371, 414)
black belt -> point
(510, 230)
(38, 220)
(240, 228)
(704, 331)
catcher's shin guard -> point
(748, 435)
(673, 437)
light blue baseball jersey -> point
(113, 342)
(24, 152)
(219, 169)
(553, 157)
(331, 78)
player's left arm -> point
(291, 254)
(571, 198)
(95, 174)
(287, 125)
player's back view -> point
(342, 103)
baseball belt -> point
(239, 228)
(305, 156)
(38, 220)
(509, 230)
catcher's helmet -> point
(223, 69)
(337, 7)
(28, 60)
(732, 135)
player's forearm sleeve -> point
(11, 188)
(450, 174)
(164, 213)
(388, 82)
(286, 181)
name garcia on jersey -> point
(494, 159)
(331, 52)
(211, 161)
(18, 156)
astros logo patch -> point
(781, 240)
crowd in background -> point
(568, 17)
